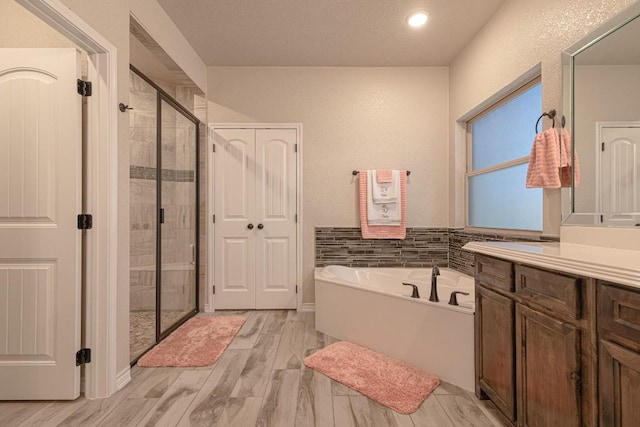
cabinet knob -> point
(250, 226)
(260, 226)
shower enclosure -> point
(163, 213)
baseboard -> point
(308, 306)
(208, 308)
(123, 378)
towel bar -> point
(354, 173)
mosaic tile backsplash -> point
(423, 247)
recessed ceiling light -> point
(417, 19)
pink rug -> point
(198, 342)
(388, 381)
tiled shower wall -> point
(423, 247)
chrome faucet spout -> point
(434, 284)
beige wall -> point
(522, 36)
(20, 28)
(353, 118)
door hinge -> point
(296, 289)
(84, 88)
(295, 218)
(83, 356)
(214, 218)
(214, 289)
(603, 146)
(295, 148)
(601, 218)
(85, 221)
(213, 147)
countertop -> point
(614, 265)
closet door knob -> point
(260, 226)
(250, 226)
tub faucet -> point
(415, 293)
(434, 284)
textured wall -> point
(353, 118)
(520, 37)
(20, 28)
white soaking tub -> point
(371, 307)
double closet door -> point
(255, 244)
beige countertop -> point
(614, 265)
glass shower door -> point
(143, 205)
(177, 210)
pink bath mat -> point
(198, 342)
(388, 381)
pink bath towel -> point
(383, 231)
(384, 175)
(544, 162)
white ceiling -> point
(327, 32)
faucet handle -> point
(415, 293)
(453, 300)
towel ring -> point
(551, 114)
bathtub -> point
(371, 307)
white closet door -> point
(40, 245)
(234, 184)
(620, 175)
(275, 216)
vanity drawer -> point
(557, 292)
(619, 312)
(494, 273)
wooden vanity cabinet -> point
(494, 335)
(534, 344)
(619, 357)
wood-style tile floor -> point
(260, 380)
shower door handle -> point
(161, 215)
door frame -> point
(101, 197)
(209, 306)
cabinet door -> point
(495, 374)
(548, 374)
(619, 386)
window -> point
(499, 143)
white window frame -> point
(521, 160)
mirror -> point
(601, 82)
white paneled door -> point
(620, 174)
(255, 230)
(40, 246)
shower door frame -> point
(161, 96)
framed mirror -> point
(601, 95)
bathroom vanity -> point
(557, 333)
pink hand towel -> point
(544, 162)
(383, 231)
(384, 175)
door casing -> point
(210, 297)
